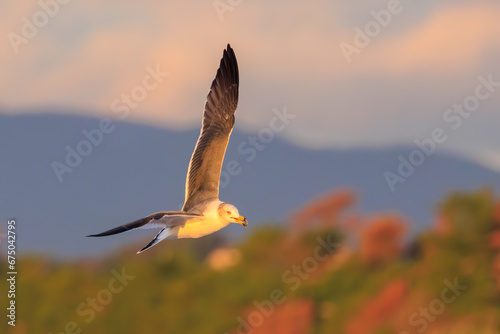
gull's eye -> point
(228, 212)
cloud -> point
(394, 91)
(452, 39)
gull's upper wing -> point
(203, 176)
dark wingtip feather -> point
(222, 98)
(146, 247)
(227, 74)
(112, 231)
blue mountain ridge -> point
(137, 170)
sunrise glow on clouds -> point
(393, 91)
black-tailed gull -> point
(203, 213)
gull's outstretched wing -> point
(155, 220)
(204, 170)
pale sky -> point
(426, 56)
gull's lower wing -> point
(151, 221)
(204, 170)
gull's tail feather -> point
(162, 235)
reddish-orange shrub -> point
(324, 210)
(379, 309)
(381, 240)
(292, 317)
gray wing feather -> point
(204, 170)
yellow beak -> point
(242, 220)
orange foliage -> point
(443, 224)
(381, 239)
(352, 222)
(496, 213)
(293, 317)
(324, 210)
(379, 309)
(495, 240)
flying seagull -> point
(203, 213)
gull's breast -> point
(199, 228)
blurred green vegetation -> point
(177, 289)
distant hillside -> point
(136, 170)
